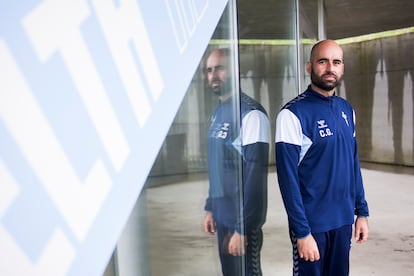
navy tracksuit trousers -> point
(249, 264)
(334, 247)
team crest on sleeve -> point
(345, 118)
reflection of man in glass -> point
(237, 165)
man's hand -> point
(237, 245)
(209, 224)
(308, 249)
(361, 229)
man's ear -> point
(308, 67)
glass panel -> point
(308, 35)
(165, 234)
(177, 242)
(166, 226)
(268, 56)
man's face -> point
(217, 73)
(327, 67)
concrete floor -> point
(178, 246)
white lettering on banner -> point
(184, 16)
(8, 189)
(127, 37)
(55, 259)
(77, 201)
(58, 253)
(54, 26)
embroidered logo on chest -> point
(324, 130)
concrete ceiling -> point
(274, 19)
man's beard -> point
(224, 88)
(322, 84)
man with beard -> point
(318, 169)
(238, 152)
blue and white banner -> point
(88, 90)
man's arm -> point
(288, 147)
(255, 134)
(361, 205)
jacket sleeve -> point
(288, 148)
(255, 134)
(207, 205)
(361, 205)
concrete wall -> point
(379, 83)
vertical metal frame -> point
(298, 38)
(234, 44)
(321, 21)
(298, 48)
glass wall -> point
(307, 28)
(178, 189)
(165, 234)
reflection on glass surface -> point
(238, 153)
(216, 167)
